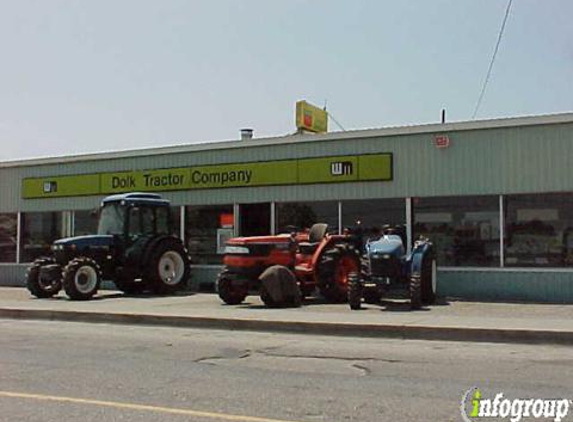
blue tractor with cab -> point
(134, 247)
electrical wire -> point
(488, 75)
(335, 121)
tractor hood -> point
(386, 245)
(83, 242)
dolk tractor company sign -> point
(337, 169)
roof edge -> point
(546, 119)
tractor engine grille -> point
(384, 266)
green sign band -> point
(338, 169)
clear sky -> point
(86, 76)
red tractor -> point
(316, 258)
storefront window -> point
(539, 230)
(464, 230)
(370, 215)
(39, 230)
(85, 222)
(207, 228)
(176, 215)
(8, 237)
(302, 215)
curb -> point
(405, 332)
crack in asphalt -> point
(244, 354)
(269, 352)
(327, 357)
(364, 369)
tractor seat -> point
(315, 236)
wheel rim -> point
(171, 268)
(345, 267)
(434, 276)
(86, 279)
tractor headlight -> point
(236, 250)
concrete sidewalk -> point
(446, 320)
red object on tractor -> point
(317, 259)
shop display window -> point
(539, 230)
(85, 222)
(39, 230)
(207, 228)
(8, 237)
(302, 215)
(369, 216)
(464, 229)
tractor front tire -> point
(429, 277)
(354, 291)
(415, 292)
(168, 268)
(38, 287)
(82, 278)
(228, 292)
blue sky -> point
(85, 76)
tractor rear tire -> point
(429, 276)
(36, 286)
(230, 294)
(82, 278)
(333, 269)
(355, 290)
(415, 292)
(168, 268)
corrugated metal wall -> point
(503, 160)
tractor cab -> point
(134, 215)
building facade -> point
(495, 197)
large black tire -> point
(38, 287)
(128, 285)
(268, 300)
(168, 268)
(333, 271)
(279, 288)
(229, 292)
(355, 290)
(82, 278)
(415, 292)
(429, 274)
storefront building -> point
(495, 197)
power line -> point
(499, 37)
(335, 121)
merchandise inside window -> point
(465, 230)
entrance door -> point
(255, 219)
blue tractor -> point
(386, 266)
(134, 246)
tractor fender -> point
(420, 251)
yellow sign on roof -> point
(311, 118)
